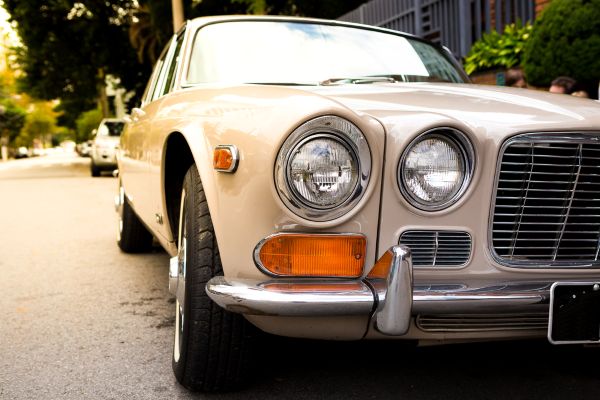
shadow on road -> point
(391, 369)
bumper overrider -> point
(390, 300)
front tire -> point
(211, 349)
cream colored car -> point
(327, 180)
(103, 152)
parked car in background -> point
(329, 180)
(104, 145)
(22, 152)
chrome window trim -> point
(468, 152)
(339, 129)
(235, 155)
(160, 83)
(152, 83)
(175, 56)
(549, 137)
(264, 270)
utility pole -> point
(177, 6)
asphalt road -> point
(81, 320)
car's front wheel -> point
(212, 347)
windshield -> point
(109, 128)
(305, 53)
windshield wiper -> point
(358, 80)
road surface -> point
(81, 320)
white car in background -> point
(104, 145)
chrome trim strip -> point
(580, 137)
(393, 314)
(272, 298)
(264, 270)
(468, 153)
(235, 155)
(257, 297)
(341, 130)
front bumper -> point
(391, 302)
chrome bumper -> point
(390, 302)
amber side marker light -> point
(317, 255)
(225, 158)
(382, 267)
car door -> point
(136, 144)
(162, 125)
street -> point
(81, 320)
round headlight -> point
(323, 171)
(323, 168)
(435, 169)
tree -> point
(565, 41)
(40, 125)
(70, 46)
(86, 123)
(12, 119)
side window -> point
(146, 98)
(174, 63)
(161, 70)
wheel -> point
(95, 169)
(212, 347)
(133, 237)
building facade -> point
(454, 23)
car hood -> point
(492, 108)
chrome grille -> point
(547, 204)
(482, 322)
(438, 248)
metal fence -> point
(453, 23)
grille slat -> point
(561, 227)
(438, 248)
(476, 322)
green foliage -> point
(12, 119)
(565, 41)
(87, 122)
(69, 45)
(66, 43)
(40, 124)
(498, 50)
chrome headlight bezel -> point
(465, 147)
(333, 128)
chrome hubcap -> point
(181, 273)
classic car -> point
(320, 179)
(103, 151)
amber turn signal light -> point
(312, 255)
(225, 158)
(382, 268)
